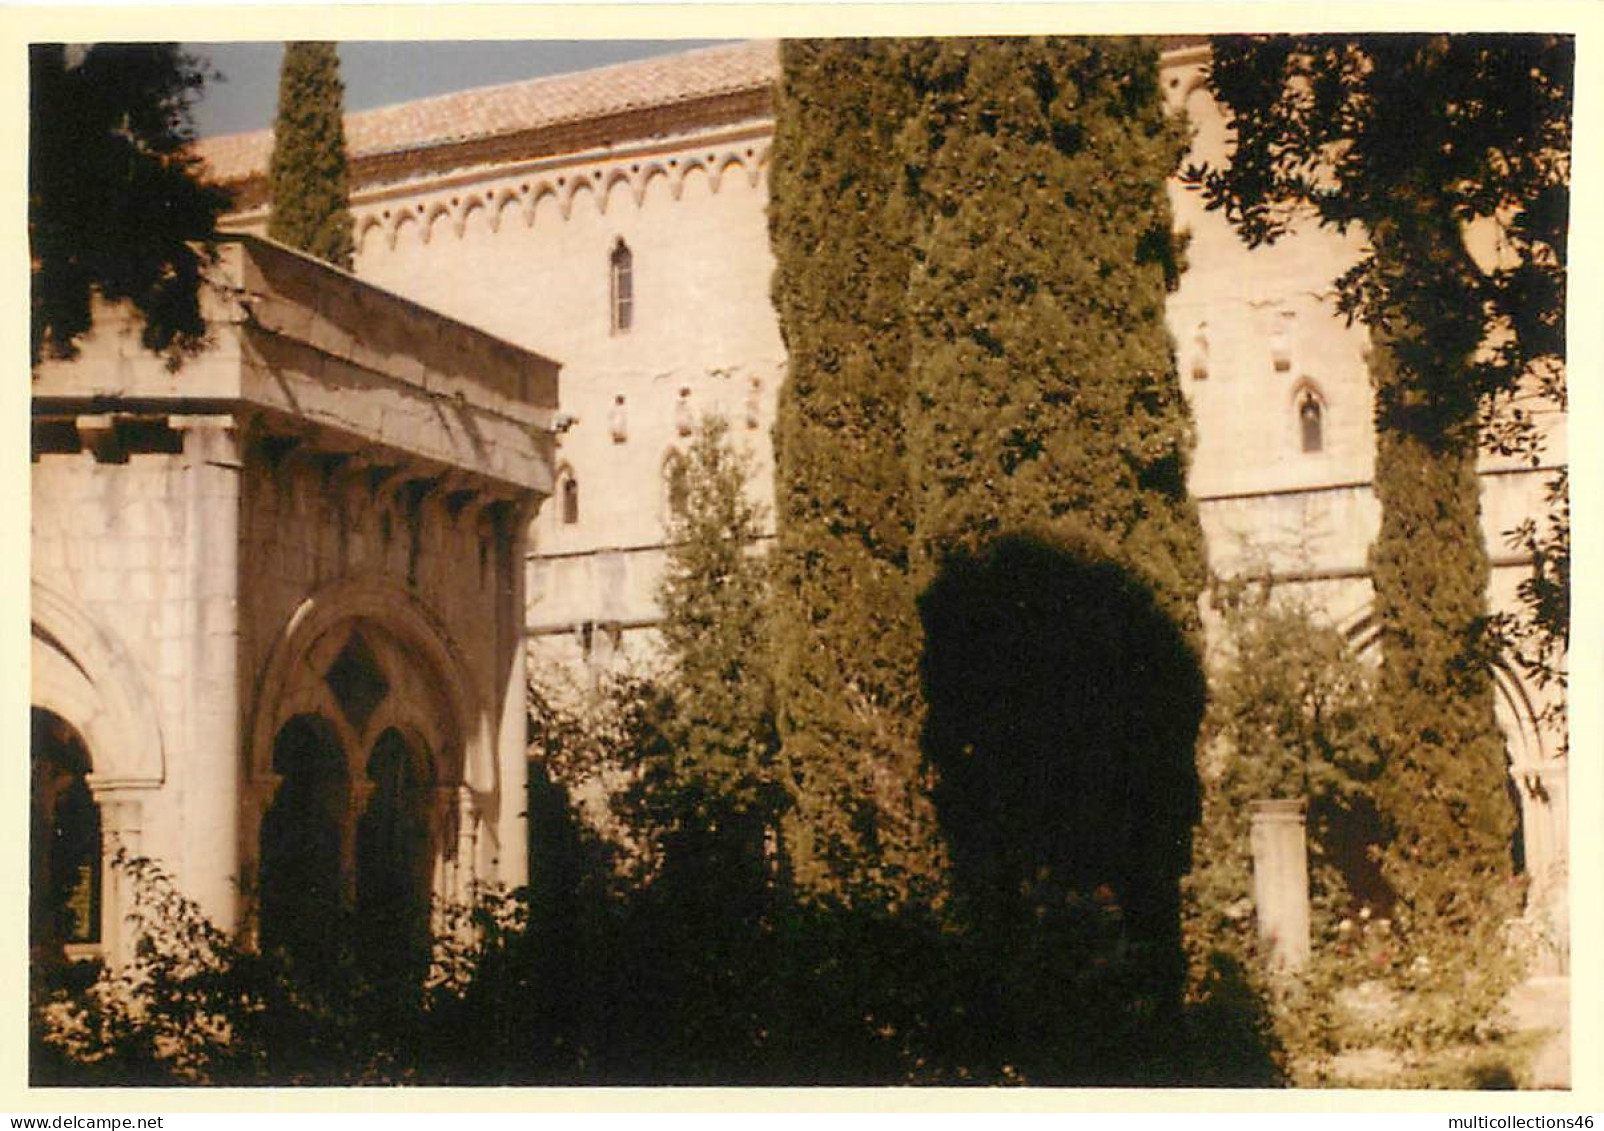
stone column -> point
(1281, 881)
(121, 831)
(467, 844)
(356, 806)
(1547, 827)
(210, 751)
(507, 815)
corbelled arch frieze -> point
(400, 220)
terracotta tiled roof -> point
(522, 106)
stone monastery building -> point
(333, 533)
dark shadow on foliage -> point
(1064, 708)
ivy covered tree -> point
(1427, 143)
(116, 203)
(307, 175)
(847, 632)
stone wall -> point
(210, 544)
(136, 644)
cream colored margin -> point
(194, 23)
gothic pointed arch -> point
(397, 840)
(621, 286)
(1537, 780)
(565, 497)
(1309, 412)
(370, 756)
(1518, 713)
(300, 881)
(336, 648)
(84, 674)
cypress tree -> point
(1442, 755)
(1416, 138)
(1044, 388)
(1057, 552)
(308, 171)
(715, 633)
(847, 631)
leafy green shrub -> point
(1291, 714)
(1288, 717)
(195, 1006)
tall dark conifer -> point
(1443, 756)
(1419, 140)
(1057, 550)
(308, 173)
(1044, 388)
(848, 642)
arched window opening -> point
(393, 859)
(64, 843)
(622, 273)
(570, 500)
(1311, 423)
(302, 841)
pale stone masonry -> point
(341, 473)
(615, 220)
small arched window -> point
(1311, 422)
(570, 500)
(622, 276)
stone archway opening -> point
(302, 882)
(65, 869)
(394, 858)
(368, 814)
(1535, 785)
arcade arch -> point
(97, 759)
(368, 760)
(65, 858)
(1537, 778)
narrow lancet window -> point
(570, 501)
(622, 265)
(1311, 424)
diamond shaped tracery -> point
(358, 684)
